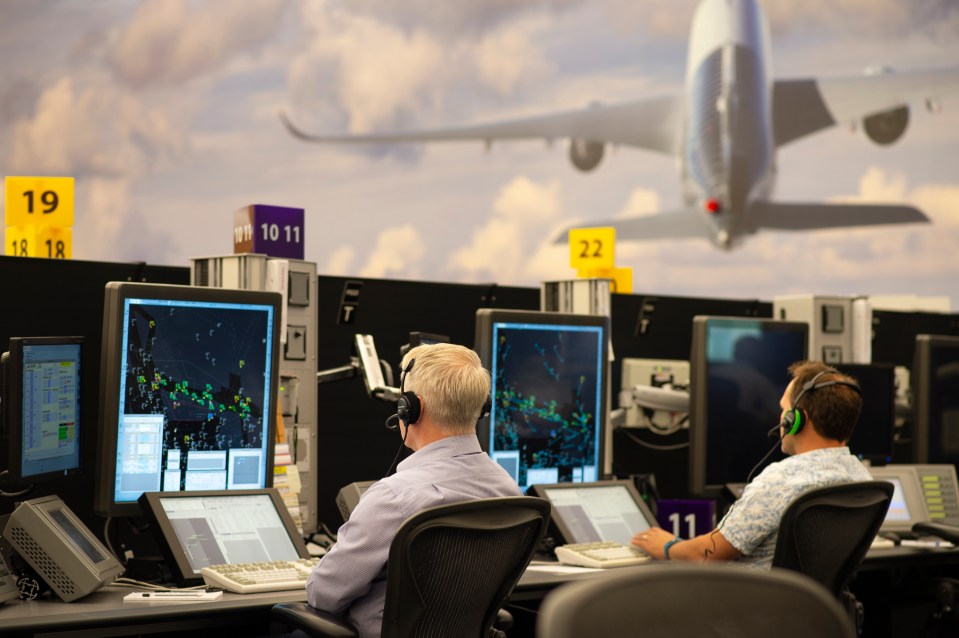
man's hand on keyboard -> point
(652, 541)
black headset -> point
(795, 418)
(408, 406)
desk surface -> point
(104, 610)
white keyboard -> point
(600, 554)
(251, 578)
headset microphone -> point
(773, 431)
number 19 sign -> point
(276, 231)
(39, 217)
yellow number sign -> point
(39, 201)
(45, 241)
(592, 248)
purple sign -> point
(686, 518)
(276, 231)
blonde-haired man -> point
(445, 391)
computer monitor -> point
(199, 529)
(739, 369)
(872, 439)
(935, 399)
(40, 407)
(549, 384)
(598, 511)
(188, 387)
(907, 506)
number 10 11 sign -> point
(276, 231)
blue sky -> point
(166, 114)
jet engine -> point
(886, 128)
(585, 154)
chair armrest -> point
(313, 621)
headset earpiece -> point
(408, 408)
(486, 409)
(793, 421)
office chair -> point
(826, 532)
(450, 570)
(707, 601)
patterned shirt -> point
(752, 523)
(352, 576)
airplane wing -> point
(804, 106)
(675, 224)
(651, 124)
(807, 216)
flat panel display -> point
(188, 391)
(549, 378)
(935, 398)
(739, 369)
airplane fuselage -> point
(727, 156)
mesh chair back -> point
(452, 567)
(825, 533)
(705, 601)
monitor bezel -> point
(541, 490)
(921, 389)
(698, 397)
(486, 318)
(14, 409)
(169, 542)
(115, 295)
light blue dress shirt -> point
(752, 523)
(352, 576)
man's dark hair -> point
(833, 410)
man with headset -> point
(445, 391)
(820, 408)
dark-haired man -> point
(820, 408)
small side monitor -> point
(41, 407)
(199, 529)
(907, 506)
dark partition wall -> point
(353, 443)
(55, 297)
(894, 333)
(661, 327)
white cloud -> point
(94, 129)
(506, 57)
(174, 41)
(340, 261)
(523, 214)
(398, 252)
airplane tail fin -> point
(808, 216)
(676, 224)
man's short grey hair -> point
(452, 383)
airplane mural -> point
(724, 131)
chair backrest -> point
(826, 532)
(707, 601)
(452, 567)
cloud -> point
(511, 241)
(506, 57)
(174, 41)
(398, 252)
(340, 261)
(98, 129)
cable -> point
(106, 539)
(397, 457)
(652, 446)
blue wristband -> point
(668, 545)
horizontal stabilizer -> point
(808, 216)
(676, 224)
